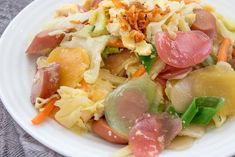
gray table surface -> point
(14, 141)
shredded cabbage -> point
(65, 22)
(142, 48)
(41, 62)
(76, 109)
(101, 88)
(66, 10)
(40, 102)
(115, 80)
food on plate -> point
(205, 22)
(149, 74)
(46, 82)
(185, 53)
(44, 42)
(102, 129)
(73, 63)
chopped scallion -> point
(148, 61)
(202, 110)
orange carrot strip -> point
(46, 112)
(223, 50)
(119, 4)
(139, 72)
(84, 85)
(233, 52)
(116, 42)
(54, 111)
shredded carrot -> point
(119, 4)
(46, 112)
(139, 72)
(233, 53)
(84, 85)
(115, 42)
(54, 111)
(223, 50)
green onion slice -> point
(202, 110)
(148, 61)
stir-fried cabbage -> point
(115, 80)
(76, 109)
(41, 62)
(65, 22)
(100, 89)
(142, 48)
(179, 18)
(66, 10)
(114, 27)
(40, 102)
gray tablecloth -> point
(14, 141)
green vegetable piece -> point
(204, 115)
(189, 114)
(208, 107)
(109, 50)
(129, 101)
(202, 110)
(99, 23)
(148, 61)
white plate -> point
(16, 73)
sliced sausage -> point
(172, 72)
(186, 50)
(44, 42)
(129, 101)
(205, 22)
(46, 82)
(152, 133)
(102, 129)
(131, 104)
